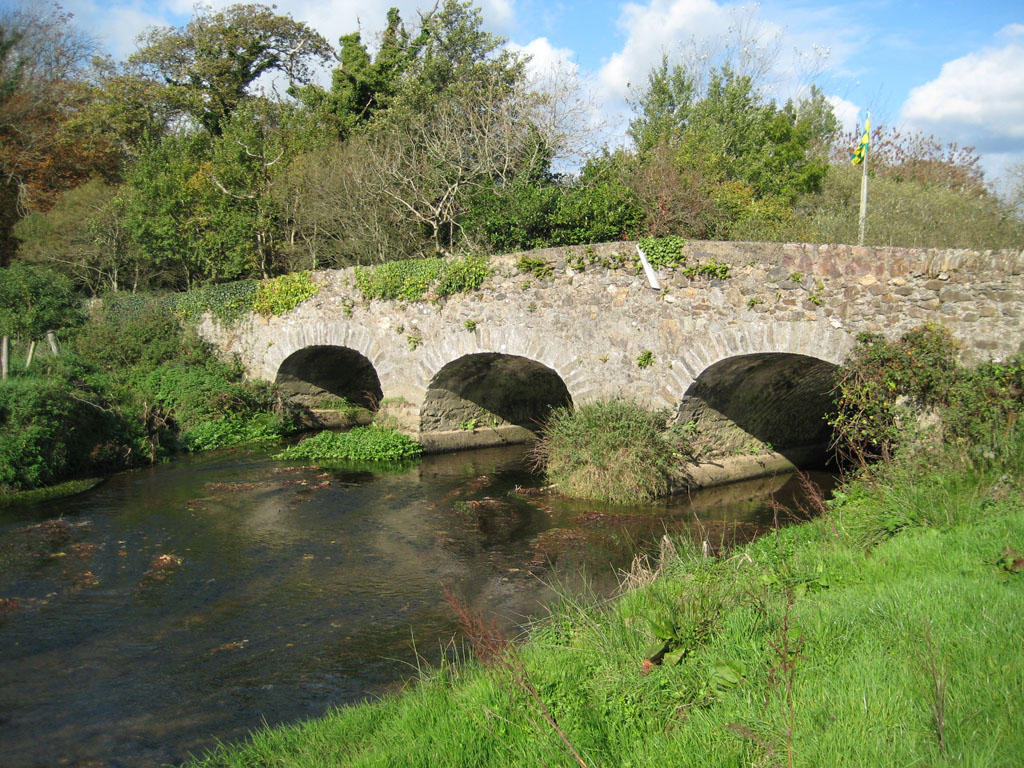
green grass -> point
(609, 450)
(837, 642)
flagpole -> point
(864, 191)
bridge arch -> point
(320, 371)
(778, 400)
(491, 389)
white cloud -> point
(654, 29)
(977, 99)
(544, 58)
(846, 112)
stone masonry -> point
(787, 312)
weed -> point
(399, 329)
(796, 277)
(411, 279)
(371, 443)
(645, 359)
(613, 450)
(413, 340)
(754, 301)
(815, 299)
(536, 266)
(531, 307)
(713, 269)
(347, 306)
(470, 325)
(283, 294)
(664, 252)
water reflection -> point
(297, 588)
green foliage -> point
(34, 301)
(371, 443)
(530, 213)
(228, 302)
(411, 279)
(665, 251)
(128, 330)
(57, 427)
(235, 429)
(131, 387)
(208, 64)
(536, 266)
(886, 388)
(645, 359)
(908, 213)
(470, 325)
(610, 450)
(713, 269)
(283, 294)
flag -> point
(861, 152)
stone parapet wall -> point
(590, 327)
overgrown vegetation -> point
(412, 279)
(893, 395)
(881, 633)
(130, 387)
(612, 450)
(372, 443)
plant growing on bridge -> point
(283, 294)
(470, 325)
(536, 266)
(712, 269)
(227, 302)
(412, 279)
(664, 252)
(645, 359)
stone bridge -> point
(748, 359)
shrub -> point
(885, 388)
(59, 427)
(235, 429)
(611, 450)
(371, 443)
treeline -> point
(212, 154)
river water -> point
(175, 607)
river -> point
(190, 603)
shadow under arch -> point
(313, 373)
(492, 389)
(774, 398)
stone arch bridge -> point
(748, 359)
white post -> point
(864, 191)
(652, 278)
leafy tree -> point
(208, 65)
(83, 237)
(32, 302)
(362, 85)
(41, 57)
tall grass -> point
(611, 450)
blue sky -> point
(954, 69)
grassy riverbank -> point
(884, 632)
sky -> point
(952, 69)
